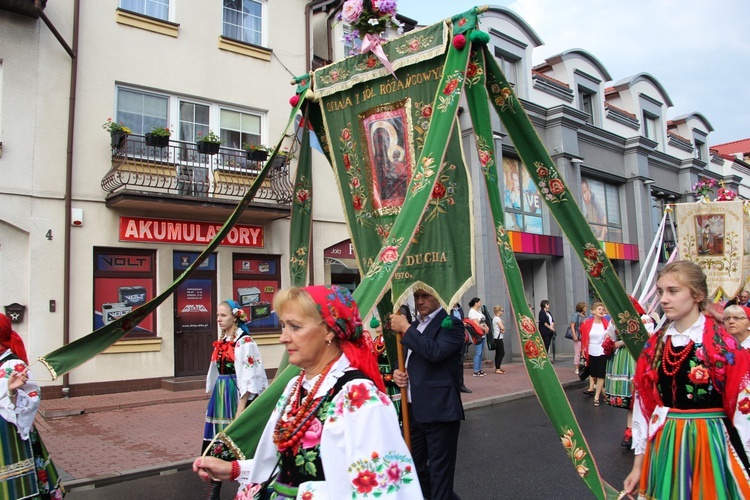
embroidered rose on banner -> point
(442, 195)
(533, 347)
(387, 258)
(593, 261)
(451, 91)
(550, 184)
(486, 153)
(503, 245)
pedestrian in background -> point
(593, 333)
(26, 470)
(475, 314)
(498, 331)
(575, 331)
(333, 432)
(235, 377)
(737, 324)
(690, 396)
(433, 366)
(546, 324)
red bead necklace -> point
(672, 361)
(296, 418)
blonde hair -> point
(298, 296)
(735, 309)
(497, 310)
(691, 276)
(597, 304)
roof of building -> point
(729, 148)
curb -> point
(91, 483)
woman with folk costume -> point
(235, 377)
(737, 324)
(688, 382)
(26, 469)
(333, 432)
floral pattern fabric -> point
(23, 452)
(359, 442)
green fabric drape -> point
(541, 372)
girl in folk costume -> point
(690, 414)
(235, 377)
(333, 433)
(618, 382)
(26, 470)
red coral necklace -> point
(671, 362)
(296, 418)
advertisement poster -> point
(115, 297)
(123, 282)
(255, 282)
(194, 306)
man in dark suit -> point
(432, 377)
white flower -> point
(372, 21)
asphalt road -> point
(508, 450)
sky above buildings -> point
(698, 50)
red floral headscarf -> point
(9, 339)
(341, 314)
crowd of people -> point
(336, 430)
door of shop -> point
(194, 315)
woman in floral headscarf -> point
(27, 471)
(235, 377)
(333, 432)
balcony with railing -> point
(142, 175)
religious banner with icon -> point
(715, 236)
(377, 127)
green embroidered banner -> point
(541, 372)
(377, 128)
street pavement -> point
(100, 440)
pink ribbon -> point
(371, 43)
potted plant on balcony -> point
(209, 143)
(256, 152)
(117, 131)
(158, 137)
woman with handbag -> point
(333, 432)
(476, 315)
(593, 335)
(498, 330)
(574, 332)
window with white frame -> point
(141, 111)
(601, 208)
(152, 8)
(238, 128)
(700, 150)
(650, 126)
(243, 21)
(586, 103)
(509, 65)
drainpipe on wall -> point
(72, 52)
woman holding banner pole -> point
(333, 418)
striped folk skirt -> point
(618, 383)
(691, 457)
(26, 470)
(222, 407)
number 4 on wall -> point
(49, 234)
